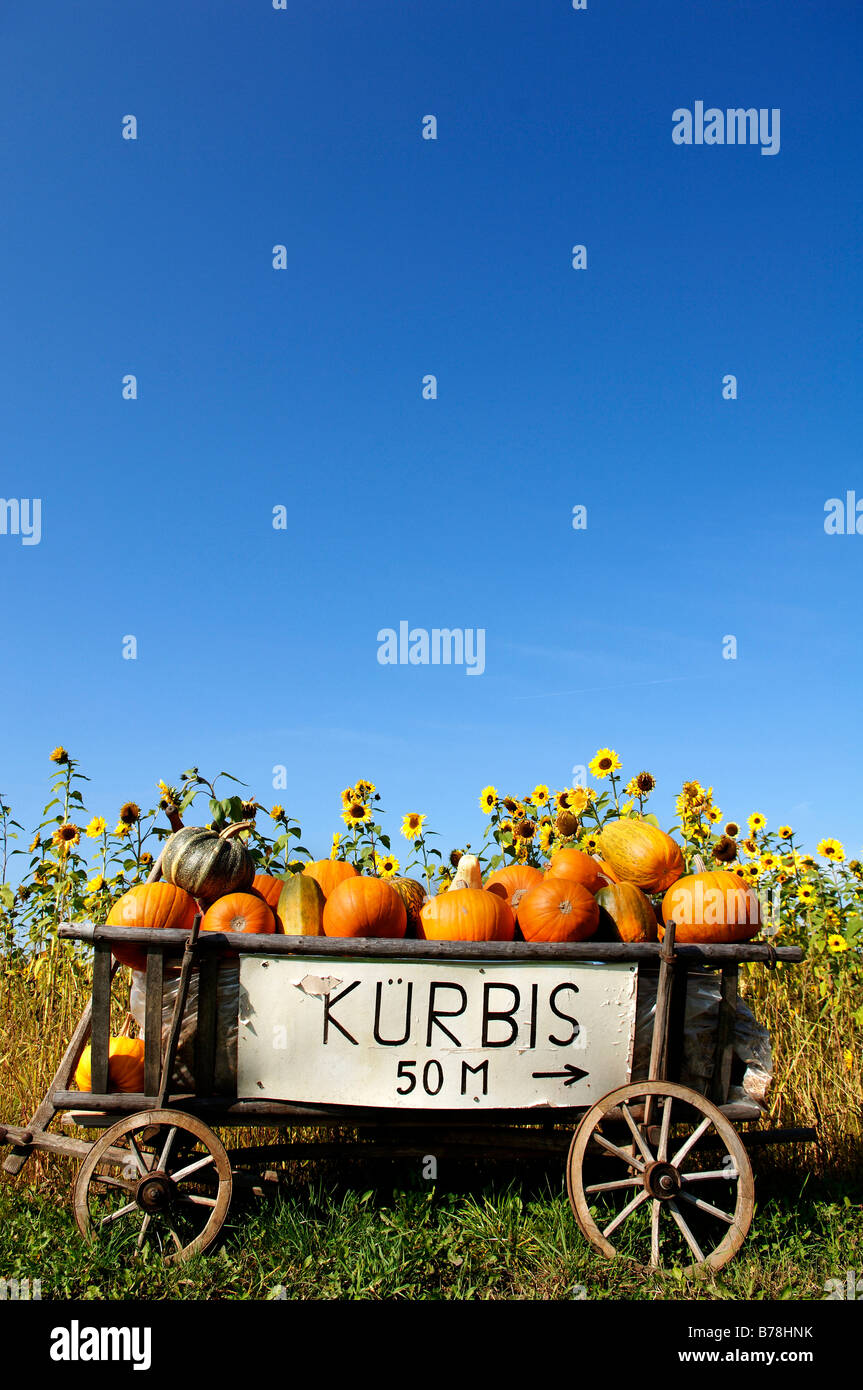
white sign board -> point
(436, 1036)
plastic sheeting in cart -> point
(227, 1011)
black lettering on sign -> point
(427, 1077)
(436, 1014)
(567, 1018)
(392, 1042)
(501, 1015)
(534, 991)
(466, 1067)
(328, 1018)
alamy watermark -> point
(734, 126)
(844, 515)
(439, 646)
(20, 1290)
(850, 1288)
(21, 517)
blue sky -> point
(556, 387)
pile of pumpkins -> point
(576, 897)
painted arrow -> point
(571, 1073)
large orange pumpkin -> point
(639, 852)
(558, 909)
(715, 906)
(625, 914)
(125, 1066)
(153, 905)
(269, 888)
(240, 912)
(473, 914)
(577, 866)
(513, 882)
(364, 907)
(329, 873)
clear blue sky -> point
(406, 256)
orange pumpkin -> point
(715, 906)
(625, 914)
(513, 882)
(329, 873)
(639, 852)
(607, 871)
(240, 912)
(473, 914)
(269, 888)
(125, 1065)
(577, 866)
(364, 907)
(154, 905)
(558, 909)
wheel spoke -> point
(198, 1200)
(121, 1211)
(687, 1234)
(654, 1233)
(693, 1139)
(143, 1231)
(143, 1168)
(608, 1186)
(629, 1159)
(625, 1212)
(163, 1157)
(192, 1168)
(110, 1181)
(707, 1206)
(646, 1153)
(662, 1151)
(731, 1174)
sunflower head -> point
(603, 762)
(488, 799)
(130, 813)
(725, 850)
(250, 809)
(510, 804)
(59, 756)
(356, 813)
(454, 857)
(732, 829)
(566, 824)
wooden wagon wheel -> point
(173, 1191)
(666, 1201)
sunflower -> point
(604, 761)
(276, 812)
(122, 831)
(59, 755)
(506, 826)
(146, 859)
(645, 782)
(769, 862)
(250, 809)
(752, 872)
(856, 867)
(365, 789)
(541, 794)
(97, 827)
(566, 824)
(488, 799)
(347, 796)
(750, 846)
(387, 865)
(756, 822)
(732, 829)
(725, 850)
(546, 838)
(831, 849)
(337, 839)
(836, 943)
(95, 885)
(806, 893)
(65, 836)
(714, 814)
(525, 830)
(590, 840)
(36, 842)
(564, 800)
(357, 813)
(412, 825)
(510, 804)
(785, 832)
(129, 813)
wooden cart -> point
(656, 1172)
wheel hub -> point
(662, 1181)
(155, 1192)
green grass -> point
(504, 1238)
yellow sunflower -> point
(387, 865)
(756, 821)
(276, 812)
(831, 849)
(541, 794)
(785, 832)
(488, 799)
(97, 827)
(348, 795)
(65, 836)
(412, 825)
(357, 813)
(604, 761)
(130, 812)
(59, 755)
(365, 789)
(732, 829)
(836, 943)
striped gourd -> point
(208, 863)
